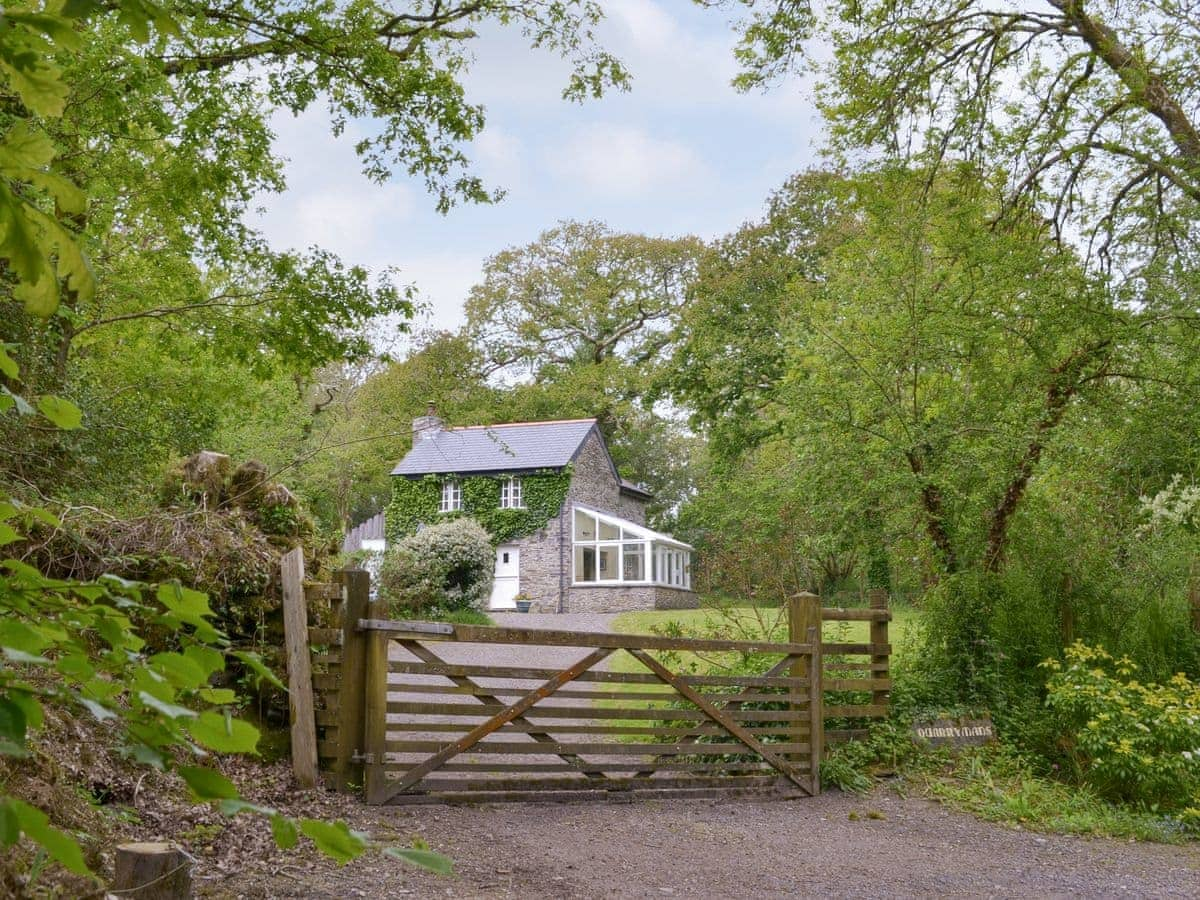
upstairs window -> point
(451, 496)
(510, 494)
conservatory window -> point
(608, 550)
(451, 496)
(510, 494)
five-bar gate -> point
(591, 714)
(420, 712)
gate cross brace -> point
(502, 718)
(722, 719)
(542, 737)
(778, 669)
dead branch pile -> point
(222, 530)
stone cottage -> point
(570, 532)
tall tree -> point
(580, 295)
(1090, 106)
(169, 141)
(580, 323)
(930, 356)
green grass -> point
(902, 631)
(464, 617)
(997, 786)
(732, 623)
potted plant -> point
(523, 601)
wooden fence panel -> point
(443, 730)
(861, 670)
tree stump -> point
(152, 871)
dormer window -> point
(510, 494)
(451, 496)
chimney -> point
(428, 426)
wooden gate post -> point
(804, 626)
(878, 598)
(299, 670)
(347, 765)
(375, 692)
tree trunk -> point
(935, 513)
(1065, 382)
(153, 871)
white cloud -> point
(329, 202)
(622, 160)
(443, 281)
(498, 157)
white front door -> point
(508, 577)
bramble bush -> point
(448, 567)
(1129, 740)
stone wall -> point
(595, 485)
(675, 598)
(628, 597)
(540, 564)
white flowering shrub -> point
(1178, 505)
(445, 567)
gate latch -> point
(358, 757)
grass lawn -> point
(901, 634)
(746, 623)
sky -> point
(680, 153)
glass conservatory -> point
(610, 551)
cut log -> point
(152, 871)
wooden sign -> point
(955, 732)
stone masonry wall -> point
(594, 485)
(540, 565)
(627, 597)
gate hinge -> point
(368, 758)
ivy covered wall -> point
(417, 500)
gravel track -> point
(829, 846)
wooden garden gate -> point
(421, 712)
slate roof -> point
(497, 448)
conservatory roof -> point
(641, 531)
(497, 448)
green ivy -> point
(416, 501)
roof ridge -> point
(515, 424)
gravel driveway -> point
(835, 845)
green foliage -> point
(448, 565)
(1001, 785)
(186, 317)
(584, 319)
(1129, 740)
(78, 647)
(415, 502)
(1089, 109)
(457, 616)
(853, 765)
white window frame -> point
(511, 494)
(451, 496)
(665, 561)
